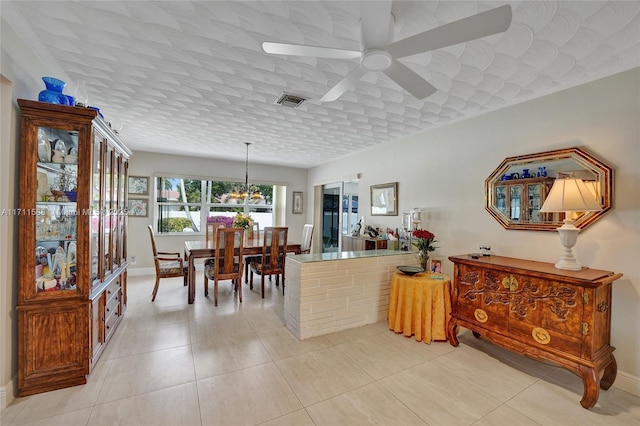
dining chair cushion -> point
(258, 266)
(174, 267)
(210, 264)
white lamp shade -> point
(570, 195)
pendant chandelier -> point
(245, 191)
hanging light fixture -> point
(246, 191)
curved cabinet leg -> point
(452, 333)
(610, 373)
(591, 381)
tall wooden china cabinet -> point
(521, 199)
(72, 243)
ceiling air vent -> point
(291, 101)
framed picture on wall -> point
(297, 202)
(138, 185)
(138, 207)
(384, 199)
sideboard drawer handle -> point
(603, 306)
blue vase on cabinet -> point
(53, 92)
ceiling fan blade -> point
(484, 24)
(375, 24)
(315, 51)
(343, 85)
(409, 80)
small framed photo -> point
(138, 207)
(435, 265)
(384, 199)
(297, 202)
(138, 185)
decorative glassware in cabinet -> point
(56, 210)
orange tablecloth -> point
(420, 305)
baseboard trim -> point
(138, 272)
(627, 383)
(6, 395)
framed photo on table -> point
(138, 207)
(384, 199)
(435, 265)
(297, 202)
(138, 185)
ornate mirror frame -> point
(562, 162)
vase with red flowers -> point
(423, 240)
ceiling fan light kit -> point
(376, 25)
(376, 60)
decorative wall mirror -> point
(517, 188)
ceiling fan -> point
(380, 54)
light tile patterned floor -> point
(170, 363)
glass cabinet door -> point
(501, 199)
(115, 215)
(515, 200)
(56, 210)
(106, 208)
(120, 210)
(534, 201)
(96, 189)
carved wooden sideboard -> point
(540, 311)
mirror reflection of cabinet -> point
(72, 280)
(517, 188)
(520, 200)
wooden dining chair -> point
(272, 260)
(248, 260)
(210, 235)
(211, 230)
(255, 230)
(227, 263)
(307, 236)
(167, 264)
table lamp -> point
(569, 195)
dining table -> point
(201, 249)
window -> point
(183, 204)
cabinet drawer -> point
(546, 313)
(113, 305)
(110, 324)
(112, 290)
(480, 297)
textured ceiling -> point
(191, 78)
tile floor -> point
(170, 363)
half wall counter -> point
(330, 292)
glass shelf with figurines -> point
(55, 265)
(56, 234)
(57, 146)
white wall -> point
(21, 70)
(148, 164)
(443, 172)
